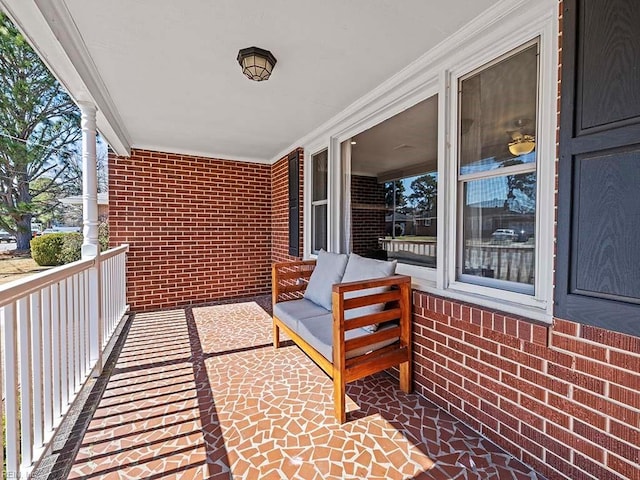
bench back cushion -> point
(329, 270)
(358, 269)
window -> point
(394, 187)
(497, 177)
(294, 204)
(319, 201)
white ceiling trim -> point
(52, 33)
(64, 28)
(403, 87)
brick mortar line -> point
(546, 390)
(423, 392)
(544, 371)
(546, 450)
(595, 344)
(590, 442)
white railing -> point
(513, 262)
(112, 281)
(417, 247)
(46, 347)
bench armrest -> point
(394, 280)
(290, 279)
(397, 296)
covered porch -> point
(523, 368)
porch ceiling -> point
(164, 73)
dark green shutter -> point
(294, 204)
(598, 254)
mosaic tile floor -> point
(200, 393)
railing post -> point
(90, 246)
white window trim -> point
(506, 26)
(523, 291)
(307, 220)
(539, 305)
(316, 203)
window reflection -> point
(411, 219)
(319, 201)
(499, 228)
(497, 172)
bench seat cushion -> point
(290, 312)
(317, 331)
(328, 271)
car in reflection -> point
(507, 235)
(503, 235)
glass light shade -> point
(522, 146)
(257, 64)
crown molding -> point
(196, 153)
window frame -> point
(462, 179)
(426, 276)
(315, 203)
(492, 35)
(539, 305)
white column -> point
(90, 246)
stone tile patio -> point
(201, 393)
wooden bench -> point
(354, 354)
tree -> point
(425, 193)
(400, 198)
(74, 185)
(39, 130)
(524, 183)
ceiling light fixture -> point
(521, 144)
(257, 64)
(353, 142)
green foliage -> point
(400, 199)
(45, 249)
(55, 249)
(103, 236)
(44, 201)
(425, 193)
(39, 127)
(71, 250)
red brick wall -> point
(563, 399)
(367, 213)
(199, 229)
(280, 209)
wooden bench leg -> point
(406, 384)
(338, 399)
(276, 335)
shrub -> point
(103, 236)
(71, 250)
(46, 249)
(61, 248)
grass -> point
(15, 265)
